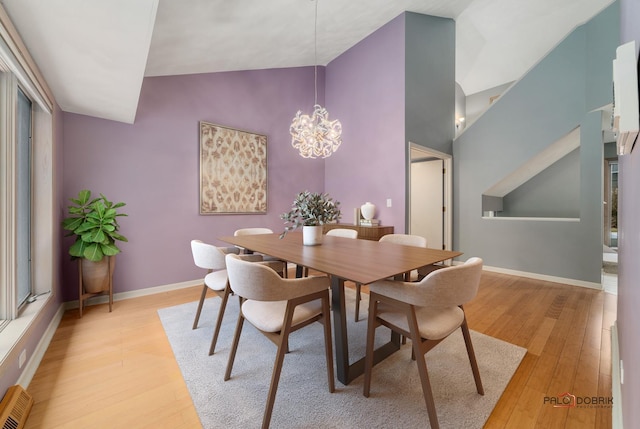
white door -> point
(426, 212)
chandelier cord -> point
(315, 135)
(315, 55)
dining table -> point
(346, 259)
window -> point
(27, 219)
(23, 197)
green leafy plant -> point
(310, 209)
(95, 226)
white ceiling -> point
(94, 54)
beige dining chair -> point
(257, 230)
(211, 258)
(405, 240)
(277, 307)
(427, 312)
(343, 232)
(336, 232)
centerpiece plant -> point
(311, 209)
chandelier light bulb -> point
(315, 136)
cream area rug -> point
(303, 399)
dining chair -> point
(336, 232)
(343, 232)
(348, 233)
(211, 258)
(277, 307)
(404, 239)
(258, 230)
(427, 312)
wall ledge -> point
(541, 219)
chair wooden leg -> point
(234, 346)
(472, 356)
(358, 297)
(416, 342)
(426, 390)
(202, 297)
(223, 306)
(371, 331)
(277, 366)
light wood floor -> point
(117, 370)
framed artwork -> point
(233, 171)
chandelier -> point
(315, 136)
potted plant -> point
(311, 210)
(93, 222)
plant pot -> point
(96, 276)
(312, 235)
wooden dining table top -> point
(361, 261)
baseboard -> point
(544, 277)
(103, 299)
(34, 362)
(616, 379)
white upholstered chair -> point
(277, 307)
(258, 230)
(405, 240)
(336, 232)
(348, 233)
(427, 312)
(211, 258)
(343, 232)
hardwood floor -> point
(117, 370)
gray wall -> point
(610, 150)
(629, 249)
(477, 103)
(555, 192)
(553, 98)
(429, 81)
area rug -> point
(303, 399)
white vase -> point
(368, 210)
(312, 235)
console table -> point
(364, 232)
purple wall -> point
(365, 90)
(153, 165)
(629, 249)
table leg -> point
(340, 329)
(345, 372)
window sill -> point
(15, 329)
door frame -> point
(414, 152)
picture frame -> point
(233, 171)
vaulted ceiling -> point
(94, 54)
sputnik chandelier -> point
(315, 136)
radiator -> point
(15, 407)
